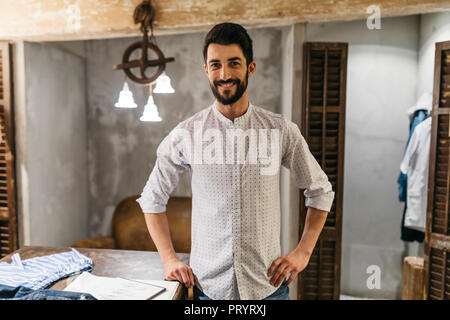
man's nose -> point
(225, 73)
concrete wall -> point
(53, 163)
(433, 28)
(381, 86)
(293, 38)
(122, 149)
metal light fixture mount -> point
(144, 14)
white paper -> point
(107, 288)
(169, 293)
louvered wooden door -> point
(437, 236)
(8, 223)
(323, 126)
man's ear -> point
(206, 68)
(251, 68)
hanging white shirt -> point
(415, 165)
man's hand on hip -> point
(297, 260)
(293, 263)
(174, 269)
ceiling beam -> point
(56, 20)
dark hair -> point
(229, 33)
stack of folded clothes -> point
(27, 279)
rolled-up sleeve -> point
(170, 164)
(305, 170)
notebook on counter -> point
(109, 288)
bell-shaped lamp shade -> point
(125, 98)
(163, 84)
(150, 111)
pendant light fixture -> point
(163, 84)
(125, 98)
(144, 14)
(151, 113)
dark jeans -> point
(24, 293)
(282, 293)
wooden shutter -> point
(8, 223)
(437, 235)
(323, 126)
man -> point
(235, 243)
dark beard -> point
(241, 87)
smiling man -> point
(235, 247)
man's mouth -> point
(226, 85)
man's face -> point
(227, 71)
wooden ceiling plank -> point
(39, 20)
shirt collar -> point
(239, 119)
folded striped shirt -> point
(39, 272)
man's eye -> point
(214, 65)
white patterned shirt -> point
(235, 200)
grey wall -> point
(122, 149)
(293, 38)
(55, 158)
(434, 28)
(381, 86)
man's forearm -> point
(158, 228)
(174, 269)
(296, 261)
(315, 220)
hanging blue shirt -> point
(39, 272)
(402, 178)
